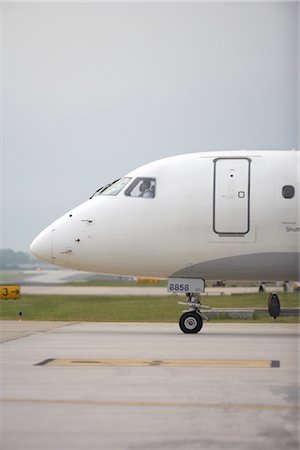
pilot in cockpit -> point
(145, 189)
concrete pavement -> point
(132, 291)
(149, 407)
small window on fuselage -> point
(142, 187)
(288, 191)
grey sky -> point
(91, 91)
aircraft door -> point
(231, 203)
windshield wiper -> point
(103, 188)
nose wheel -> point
(190, 322)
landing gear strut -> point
(192, 320)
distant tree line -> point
(9, 259)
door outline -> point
(231, 233)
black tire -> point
(190, 322)
(274, 305)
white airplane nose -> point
(41, 246)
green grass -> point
(127, 309)
(288, 300)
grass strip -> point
(130, 309)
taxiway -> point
(149, 387)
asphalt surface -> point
(148, 386)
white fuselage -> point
(214, 215)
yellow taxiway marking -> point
(236, 406)
(215, 363)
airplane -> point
(189, 218)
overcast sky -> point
(92, 91)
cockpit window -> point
(142, 187)
(113, 188)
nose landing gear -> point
(192, 320)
